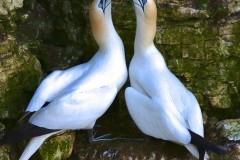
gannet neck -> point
(146, 13)
(146, 23)
(101, 23)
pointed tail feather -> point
(201, 152)
(23, 132)
(33, 146)
(193, 149)
(26, 115)
(202, 145)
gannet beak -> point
(140, 3)
(103, 4)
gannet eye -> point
(144, 2)
(100, 5)
(141, 3)
(103, 5)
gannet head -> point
(146, 13)
(101, 21)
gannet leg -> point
(105, 137)
(108, 137)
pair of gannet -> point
(77, 97)
(158, 102)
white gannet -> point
(157, 101)
(80, 95)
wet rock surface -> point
(58, 147)
(230, 129)
(4, 153)
(20, 73)
(8, 5)
(149, 148)
(199, 49)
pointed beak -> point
(140, 3)
(103, 4)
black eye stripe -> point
(137, 4)
(102, 4)
(144, 2)
(141, 3)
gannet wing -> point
(155, 120)
(43, 92)
(194, 118)
(189, 108)
(186, 104)
(54, 85)
(75, 109)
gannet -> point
(78, 96)
(158, 102)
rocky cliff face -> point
(7, 6)
(199, 40)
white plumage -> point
(80, 95)
(84, 92)
(75, 109)
(158, 102)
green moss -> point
(220, 101)
(220, 12)
(236, 31)
(201, 99)
(194, 51)
(5, 25)
(170, 35)
(19, 75)
(181, 65)
(190, 32)
(171, 51)
(230, 129)
(57, 148)
(20, 81)
(235, 47)
(218, 9)
(180, 12)
(4, 152)
(202, 4)
(216, 49)
(233, 75)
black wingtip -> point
(24, 132)
(201, 152)
(203, 144)
(25, 117)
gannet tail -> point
(28, 114)
(203, 145)
(23, 132)
(193, 149)
(33, 146)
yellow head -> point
(101, 20)
(146, 13)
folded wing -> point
(75, 109)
